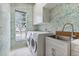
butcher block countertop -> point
(60, 33)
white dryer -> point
(37, 43)
(28, 38)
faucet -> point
(72, 34)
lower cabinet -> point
(55, 47)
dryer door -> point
(28, 39)
(33, 46)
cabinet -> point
(55, 47)
(40, 14)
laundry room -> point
(63, 23)
(39, 29)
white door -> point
(56, 47)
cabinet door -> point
(56, 47)
(38, 14)
(41, 14)
(46, 15)
(48, 48)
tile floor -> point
(21, 52)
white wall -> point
(4, 29)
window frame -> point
(15, 23)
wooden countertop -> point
(60, 33)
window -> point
(20, 24)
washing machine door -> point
(28, 39)
(33, 46)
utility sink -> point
(66, 38)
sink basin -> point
(66, 38)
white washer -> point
(38, 43)
(28, 38)
(33, 44)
